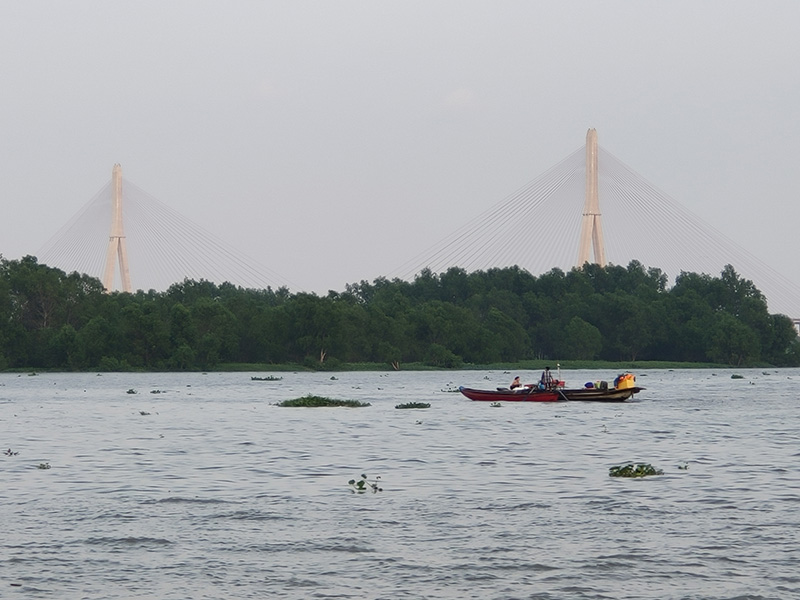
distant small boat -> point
(624, 388)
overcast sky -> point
(333, 141)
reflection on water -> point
(206, 489)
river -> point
(199, 486)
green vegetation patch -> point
(414, 405)
(634, 470)
(481, 318)
(314, 401)
(365, 485)
(267, 378)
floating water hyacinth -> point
(315, 401)
(364, 485)
(414, 405)
(634, 470)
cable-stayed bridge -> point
(590, 206)
(555, 220)
(153, 245)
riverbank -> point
(527, 365)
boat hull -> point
(536, 395)
(524, 395)
(600, 395)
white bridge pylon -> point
(591, 224)
(116, 239)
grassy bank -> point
(525, 365)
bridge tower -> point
(591, 225)
(116, 240)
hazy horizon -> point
(333, 142)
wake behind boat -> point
(624, 387)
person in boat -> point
(515, 384)
(547, 382)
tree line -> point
(51, 319)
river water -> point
(199, 486)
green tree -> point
(146, 334)
(216, 331)
(440, 356)
(510, 338)
(313, 327)
(626, 325)
(581, 340)
(732, 341)
(62, 348)
(94, 342)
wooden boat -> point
(531, 394)
(624, 388)
(601, 395)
